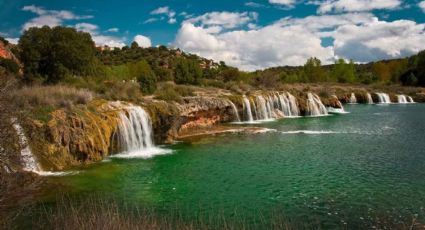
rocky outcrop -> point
(74, 137)
(85, 134)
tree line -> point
(53, 55)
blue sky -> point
(248, 34)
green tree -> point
(187, 72)
(49, 54)
(344, 72)
(146, 78)
(10, 65)
(313, 71)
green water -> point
(363, 169)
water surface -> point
(364, 169)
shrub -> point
(10, 65)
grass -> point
(98, 213)
(54, 95)
(171, 92)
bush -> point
(172, 92)
(10, 65)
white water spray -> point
(135, 134)
(29, 163)
(383, 98)
(403, 99)
(315, 106)
(353, 99)
(369, 98)
(247, 109)
(235, 110)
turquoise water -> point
(359, 170)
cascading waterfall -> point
(247, 109)
(263, 108)
(339, 110)
(29, 162)
(315, 106)
(403, 99)
(288, 105)
(293, 105)
(369, 98)
(353, 99)
(235, 111)
(135, 134)
(383, 98)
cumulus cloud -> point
(113, 30)
(357, 5)
(49, 17)
(422, 5)
(143, 41)
(99, 39)
(283, 2)
(290, 41)
(227, 20)
(165, 10)
(13, 40)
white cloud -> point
(143, 41)
(165, 10)
(13, 40)
(290, 41)
(357, 5)
(113, 30)
(283, 2)
(422, 5)
(99, 39)
(49, 17)
(227, 20)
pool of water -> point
(364, 169)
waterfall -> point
(403, 99)
(288, 105)
(135, 134)
(353, 99)
(235, 111)
(383, 98)
(339, 110)
(315, 106)
(369, 98)
(29, 162)
(247, 109)
(293, 105)
(263, 108)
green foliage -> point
(5, 42)
(313, 71)
(50, 54)
(230, 74)
(10, 65)
(187, 72)
(144, 75)
(344, 72)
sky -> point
(249, 34)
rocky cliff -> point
(85, 133)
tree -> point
(49, 54)
(230, 74)
(344, 72)
(313, 70)
(10, 65)
(187, 72)
(144, 75)
(134, 45)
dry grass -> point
(55, 96)
(95, 213)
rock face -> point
(72, 138)
(85, 134)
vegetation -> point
(51, 54)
